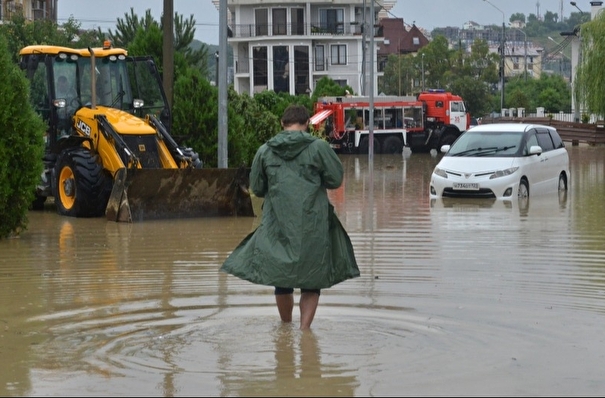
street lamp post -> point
(422, 71)
(502, 41)
(525, 49)
(576, 55)
(399, 64)
(573, 3)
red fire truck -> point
(422, 123)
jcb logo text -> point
(84, 127)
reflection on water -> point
(456, 297)
(292, 366)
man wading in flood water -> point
(300, 242)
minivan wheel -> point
(562, 182)
(523, 189)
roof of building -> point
(398, 40)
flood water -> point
(455, 298)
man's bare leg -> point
(308, 305)
(285, 305)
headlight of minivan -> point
(503, 173)
(440, 172)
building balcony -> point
(313, 29)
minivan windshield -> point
(486, 143)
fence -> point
(576, 133)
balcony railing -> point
(295, 29)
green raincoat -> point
(300, 243)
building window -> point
(259, 65)
(297, 16)
(301, 69)
(280, 21)
(281, 69)
(320, 58)
(261, 17)
(416, 41)
(338, 54)
(332, 21)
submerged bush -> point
(21, 146)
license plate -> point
(466, 185)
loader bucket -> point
(150, 194)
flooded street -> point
(455, 297)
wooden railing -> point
(576, 133)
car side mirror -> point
(445, 148)
(535, 150)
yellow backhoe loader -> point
(109, 149)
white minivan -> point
(502, 160)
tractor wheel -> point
(81, 187)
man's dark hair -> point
(295, 114)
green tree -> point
(195, 115)
(549, 91)
(21, 146)
(251, 120)
(127, 28)
(475, 94)
(575, 20)
(20, 33)
(328, 87)
(518, 99)
(437, 62)
(550, 100)
(590, 74)
(258, 119)
(517, 16)
(144, 36)
(550, 18)
(400, 74)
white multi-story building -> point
(287, 46)
(31, 9)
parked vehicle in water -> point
(502, 161)
(109, 147)
(432, 119)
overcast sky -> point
(427, 14)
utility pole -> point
(222, 86)
(502, 43)
(399, 64)
(371, 90)
(422, 71)
(364, 29)
(168, 50)
(576, 59)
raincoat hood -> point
(289, 144)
